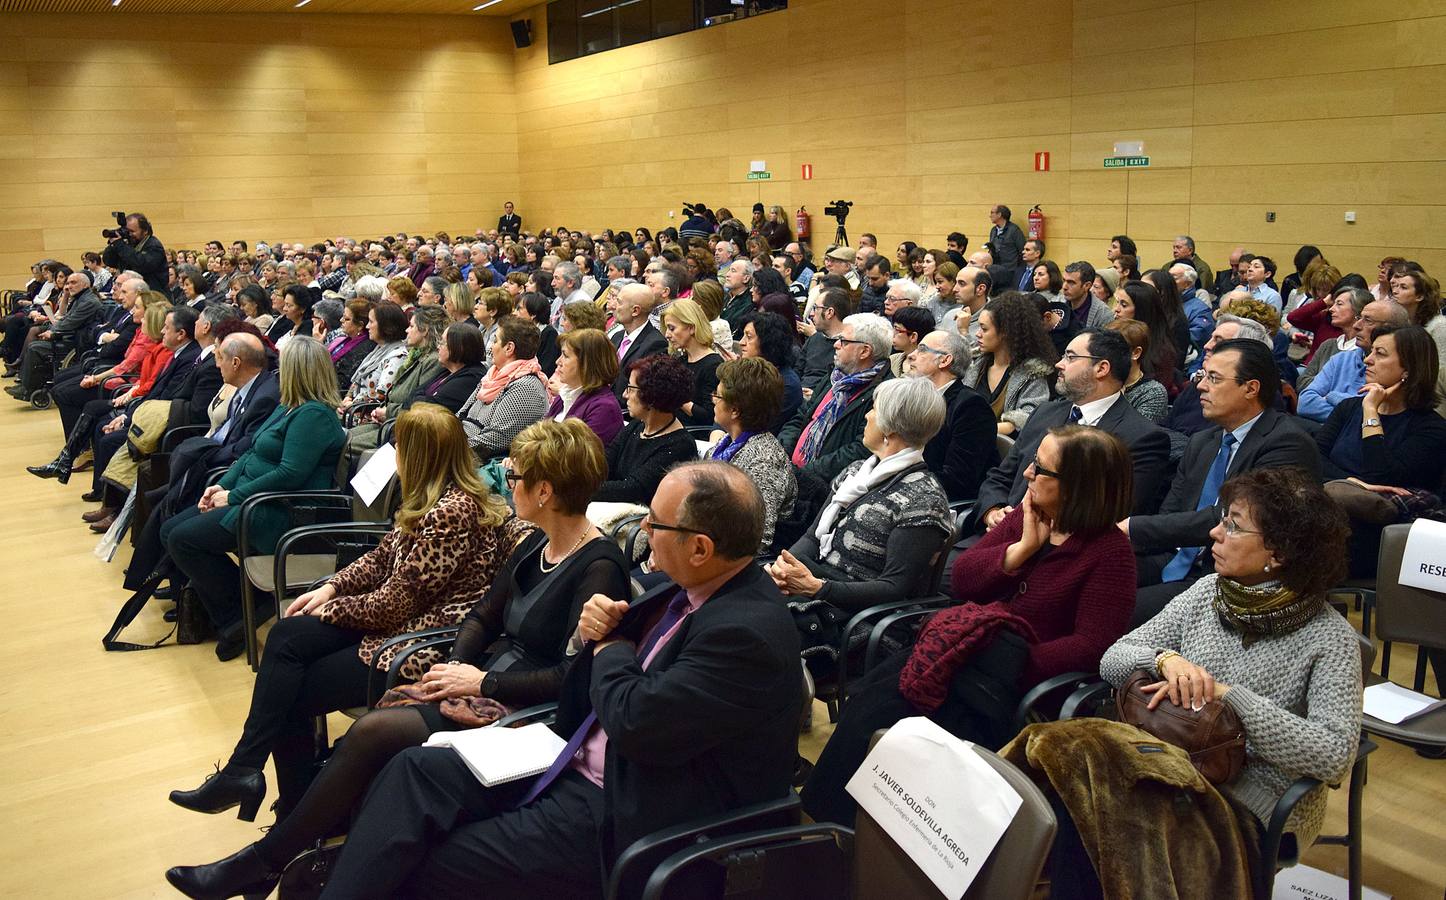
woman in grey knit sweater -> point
(745, 404)
(1258, 636)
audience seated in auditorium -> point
(717, 691)
(1014, 367)
(655, 439)
(744, 406)
(883, 523)
(513, 650)
(637, 338)
(1344, 374)
(825, 324)
(770, 336)
(354, 344)
(587, 366)
(1091, 379)
(372, 380)
(1389, 441)
(911, 323)
(1186, 416)
(52, 337)
(511, 396)
(1258, 636)
(965, 448)
(1047, 591)
(1237, 390)
(532, 307)
(295, 449)
(1145, 394)
(690, 338)
(1420, 294)
(825, 435)
(1344, 312)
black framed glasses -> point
(1070, 356)
(650, 526)
(511, 478)
(843, 340)
(1041, 470)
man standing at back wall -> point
(509, 222)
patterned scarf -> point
(727, 447)
(499, 377)
(344, 345)
(1266, 610)
(841, 392)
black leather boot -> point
(243, 873)
(219, 792)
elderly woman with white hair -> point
(885, 517)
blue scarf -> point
(841, 392)
(728, 448)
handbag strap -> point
(128, 612)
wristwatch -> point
(1371, 423)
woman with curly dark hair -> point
(1257, 635)
(1140, 300)
(1015, 365)
(655, 439)
(769, 336)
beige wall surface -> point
(228, 126)
(924, 113)
(927, 112)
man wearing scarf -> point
(827, 432)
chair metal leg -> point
(248, 621)
(1420, 683)
(1354, 836)
(1386, 659)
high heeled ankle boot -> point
(220, 791)
(58, 468)
(243, 873)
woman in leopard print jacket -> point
(451, 537)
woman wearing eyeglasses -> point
(1257, 635)
(1057, 565)
(512, 651)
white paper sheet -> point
(1423, 564)
(935, 797)
(1305, 883)
(1395, 704)
(373, 478)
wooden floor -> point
(93, 741)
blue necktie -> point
(238, 408)
(1076, 415)
(676, 608)
(1179, 566)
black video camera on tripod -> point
(839, 209)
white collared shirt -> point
(1093, 411)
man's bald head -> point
(722, 501)
(634, 302)
(249, 355)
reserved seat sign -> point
(934, 796)
(1423, 563)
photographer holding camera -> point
(133, 245)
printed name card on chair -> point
(1423, 564)
(937, 799)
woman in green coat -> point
(294, 450)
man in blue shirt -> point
(1261, 270)
(1344, 374)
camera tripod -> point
(840, 236)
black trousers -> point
(200, 545)
(308, 668)
(70, 398)
(38, 363)
(430, 829)
(16, 327)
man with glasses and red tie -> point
(1238, 386)
(684, 706)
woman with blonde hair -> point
(690, 337)
(709, 295)
(458, 302)
(401, 291)
(776, 230)
(295, 449)
(511, 652)
(582, 314)
(587, 366)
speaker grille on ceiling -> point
(522, 33)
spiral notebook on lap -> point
(499, 755)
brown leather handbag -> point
(1213, 735)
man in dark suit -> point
(1092, 372)
(509, 222)
(243, 364)
(638, 339)
(678, 713)
(192, 397)
(1237, 392)
(965, 448)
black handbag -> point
(192, 626)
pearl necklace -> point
(542, 553)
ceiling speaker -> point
(522, 33)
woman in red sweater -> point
(1049, 590)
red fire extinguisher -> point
(1036, 224)
(801, 221)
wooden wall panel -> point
(928, 112)
(226, 126)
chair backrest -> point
(1003, 443)
(1404, 613)
(884, 872)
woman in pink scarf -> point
(511, 396)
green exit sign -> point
(759, 176)
(1127, 162)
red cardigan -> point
(1078, 598)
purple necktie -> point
(623, 346)
(676, 608)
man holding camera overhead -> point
(135, 246)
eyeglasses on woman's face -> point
(1232, 528)
(1041, 470)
